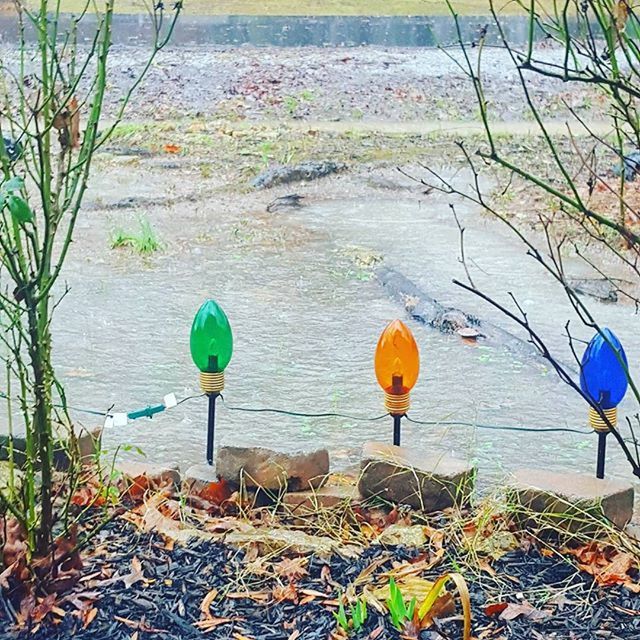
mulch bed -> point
(156, 592)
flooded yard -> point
(306, 313)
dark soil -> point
(166, 603)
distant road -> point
(313, 7)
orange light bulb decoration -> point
(397, 365)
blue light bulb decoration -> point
(603, 377)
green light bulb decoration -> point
(211, 345)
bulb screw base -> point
(397, 404)
(212, 382)
(600, 425)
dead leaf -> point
(211, 623)
(285, 593)
(136, 574)
(513, 611)
(495, 609)
(617, 572)
(88, 618)
(292, 568)
(608, 566)
(43, 608)
(172, 148)
(207, 601)
(411, 586)
(376, 633)
(215, 492)
(443, 607)
(139, 626)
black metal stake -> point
(602, 451)
(396, 430)
(211, 426)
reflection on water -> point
(300, 31)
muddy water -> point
(306, 320)
(480, 384)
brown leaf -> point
(67, 122)
(292, 568)
(617, 572)
(136, 574)
(88, 617)
(43, 608)
(608, 566)
(212, 623)
(376, 633)
(207, 601)
(495, 609)
(513, 611)
(444, 606)
(139, 626)
(282, 593)
(215, 492)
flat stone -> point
(633, 530)
(199, 477)
(429, 482)
(324, 498)
(201, 481)
(89, 443)
(257, 467)
(150, 476)
(572, 502)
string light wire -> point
(151, 410)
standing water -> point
(306, 322)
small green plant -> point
(356, 619)
(400, 612)
(206, 170)
(291, 104)
(266, 150)
(410, 620)
(145, 242)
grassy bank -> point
(318, 7)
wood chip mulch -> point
(136, 587)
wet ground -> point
(401, 85)
(306, 315)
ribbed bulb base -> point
(397, 404)
(596, 421)
(212, 382)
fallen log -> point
(296, 173)
(449, 320)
